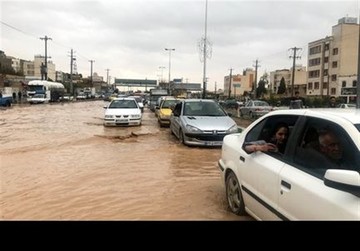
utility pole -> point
(293, 70)
(255, 84)
(205, 51)
(91, 72)
(46, 69)
(72, 58)
(230, 82)
(215, 87)
(107, 76)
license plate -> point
(121, 120)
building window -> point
(315, 50)
(314, 61)
(333, 91)
(335, 51)
(343, 83)
(326, 59)
(325, 85)
(314, 74)
(334, 64)
(310, 86)
(333, 77)
(354, 83)
(326, 72)
(327, 46)
(316, 85)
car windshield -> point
(260, 103)
(168, 103)
(127, 104)
(203, 109)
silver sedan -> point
(201, 122)
(255, 108)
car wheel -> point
(234, 195)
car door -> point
(260, 171)
(245, 110)
(175, 119)
(303, 194)
(260, 178)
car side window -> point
(177, 109)
(265, 131)
(325, 145)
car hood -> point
(122, 111)
(210, 123)
(165, 111)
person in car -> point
(330, 146)
(276, 143)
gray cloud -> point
(129, 37)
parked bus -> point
(52, 90)
(155, 94)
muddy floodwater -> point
(58, 162)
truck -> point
(52, 90)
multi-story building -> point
(299, 80)
(38, 60)
(239, 83)
(332, 61)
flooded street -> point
(58, 161)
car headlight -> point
(108, 116)
(233, 129)
(190, 128)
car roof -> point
(197, 100)
(351, 115)
(125, 98)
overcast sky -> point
(129, 37)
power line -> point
(14, 28)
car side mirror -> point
(105, 107)
(229, 114)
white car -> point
(38, 99)
(301, 183)
(122, 112)
(255, 108)
(346, 106)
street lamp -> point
(169, 49)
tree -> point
(282, 87)
(261, 90)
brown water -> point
(58, 161)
